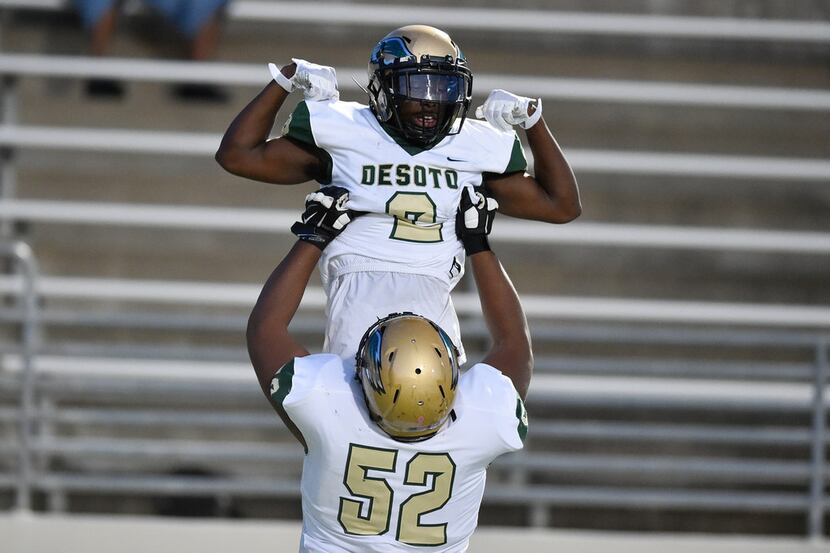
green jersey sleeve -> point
(298, 125)
(517, 161)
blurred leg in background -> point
(200, 22)
(99, 18)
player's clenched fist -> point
(503, 110)
(474, 219)
(318, 82)
(326, 215)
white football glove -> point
(318, 82)
(503, 110)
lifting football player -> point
(397, 441)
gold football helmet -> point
(408, 368)
(420, 64)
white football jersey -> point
(411, 196)
(364, 492)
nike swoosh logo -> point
(457, 160)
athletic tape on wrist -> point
(475, 243)
(281, 79)
(311, 234)
(533, 119)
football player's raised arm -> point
(246, 151)
(510, 351)
(552, 194)
(270, 344)
(503, 313)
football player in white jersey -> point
(404, 159)
(397, 441)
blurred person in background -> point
(397, 441)
(405, 159)
(198, 21)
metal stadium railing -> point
(26, 344)
(106, 424)
(508, 231)
(46, 385)
(737, 387)
(602, 90)
(592, 161)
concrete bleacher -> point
(98, 534)
(680, 325)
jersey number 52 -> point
(377, 495)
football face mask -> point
(419, 84)
(427, 104)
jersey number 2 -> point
(409, 208)
(378, 495)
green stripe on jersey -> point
(281, 383)
(521, 414)
(298, 127)
(517, 162)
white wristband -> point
(533, 119)
(281, 79)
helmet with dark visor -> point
(424, 98)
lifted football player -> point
(405, 159)
(397, 441)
